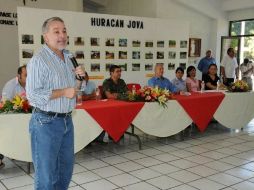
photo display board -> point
(136, 44)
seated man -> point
(11, 88)
(89, 88)
(16, 85)
(114, 87)
(179, 83)
(160, 81)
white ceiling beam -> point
(208, 8)
(231, 5)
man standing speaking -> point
(51, 90)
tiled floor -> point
(218, 159)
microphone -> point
(75, 65)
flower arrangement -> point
(19, 104)
(149, 94)
(239, 86)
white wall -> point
(152, 30)
(241, 14)
(200, 25)
(209, 27)
(143, 8)
(9, 34)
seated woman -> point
(179, 83)
(192, 83)
(211, 78)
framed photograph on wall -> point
(27, 39)
(79, 41)
(194, 47)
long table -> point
(235, 111)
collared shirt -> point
(12, 88)
(180, 84)
(110, 86)
(245, 67)
(162, 82)
(204, 64)
(47, 72)
(88, 88)
(229, 64)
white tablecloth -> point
(235, 111)
(15, 137)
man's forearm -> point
(237, 73)
(57, 94)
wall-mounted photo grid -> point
(97, 54)
(96, 46)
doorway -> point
(241, 38)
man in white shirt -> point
(229, 67)
(247, 69)
(16, 85)
(89, 88)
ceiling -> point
(216, 7)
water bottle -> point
(97, 94)
(133, 90)
(218, 85)
(202, 86)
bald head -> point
(159, 70)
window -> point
(241, 28)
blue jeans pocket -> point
(44, 119)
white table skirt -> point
(235, 111)
(163, 122)
(15, 137)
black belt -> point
(53, 114)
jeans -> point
(52, 140)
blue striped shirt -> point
(47, 72)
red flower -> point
(25, 106)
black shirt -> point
(208, 79)
(110, 86)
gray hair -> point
(47, 22)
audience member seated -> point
(179, 83)
(114, 87)
(161, 81)
(88, 88)
(16, 85)
(211, 78)
(192, 83)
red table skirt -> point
(116, 116)
(201, 106)
(113, 116)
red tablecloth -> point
(113, 116)
(201, 106)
